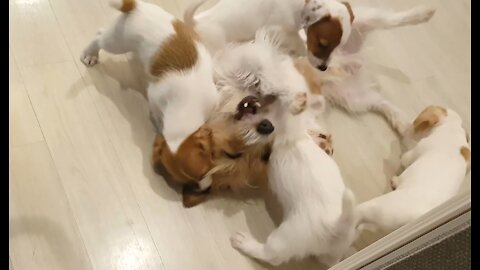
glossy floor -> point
(82, 192)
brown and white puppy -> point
(435, 165)
(181, 94)
(231, 149)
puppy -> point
(181, 94)
(435, 167)
(318, 216)
(237, 21)
(344, 83)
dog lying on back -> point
(435, 166)
(181, 93)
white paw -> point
(242, 242)
(89, 60)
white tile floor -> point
(82, 193)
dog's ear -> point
(194, 156)
(428, 118)
(350, 11)
(466, 153)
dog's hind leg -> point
(90, 54)
(366, 100)
(277, 249)
(367, 19)
(112, 40)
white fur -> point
(318, 216)
(180, 102)
(262, 69)
(434, 171)
(237, 21)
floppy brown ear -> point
(195, 155)
(428, 118)
(350, 11)
(466, 153)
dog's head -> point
(327, 24)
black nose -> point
(322, 67)
(265, 127)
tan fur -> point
(127, 5)
(350, 11)
(324, 36)
(465, 152)
(310, 75)
(428, 118)
(191, 199)
(191, 162)
(177, 53)
(198, 155)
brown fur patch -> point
(428, 118)
(310, 74)
(350, 11)
(324, 36)
(192, 197)
(465, 152)
(192, 160)
(177, 53)
(127, 5)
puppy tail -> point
(189, 13)
(124, 5)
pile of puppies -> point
(235, 92)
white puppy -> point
(435, 167)
(182, 94)
(318, 216)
